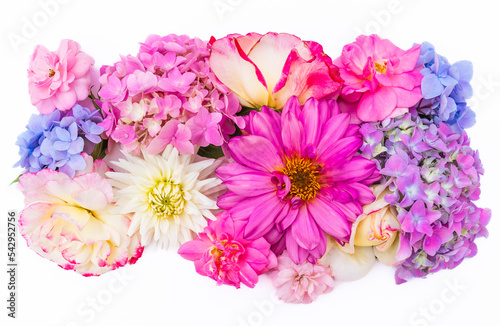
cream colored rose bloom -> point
(374, 235)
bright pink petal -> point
(251, 184)
(305, 230)
(378, 105)
(329, 218)
(262, 218)
(356, 170)
(193, 250)
(255, 151)
(406, 99)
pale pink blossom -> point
(57, 80)
(301, 283)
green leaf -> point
(93, 99)
(211, 151)
(100, 150)
(245, 111)
(16, 180)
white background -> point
(164, 289)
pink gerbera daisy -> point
(297, 177)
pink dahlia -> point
(223, 254)
(380, 80)
(297, 177)
(57, 80)
(269, 69)
(301, 283)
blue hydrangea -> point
(56, 140)
(445, 88)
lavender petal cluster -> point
(445, 88)
(56, 140)
(434, 176)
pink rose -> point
(380, 80)
(57, 80)
(269, 69)
(71, 221)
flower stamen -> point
(303, 175)
(166, 199)
(381, 68)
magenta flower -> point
(297, 177)
(301, 283)
(380, 78)
(269, 69)
(223, 254)
(57, 80)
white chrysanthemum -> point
(170, 195)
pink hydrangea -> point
(71, 221)
(57, 80)
(301, 283)
(223, 254)
(380, 80)
(167, 95)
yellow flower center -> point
(51, 73)
(381, 68)
(166, 199)
(303, 175)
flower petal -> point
(255, 151)
(234, 69)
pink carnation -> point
(301, 283)
(380, 80)
(71, 221)
(57, 80)
(223, 254)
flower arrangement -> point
(250, 155)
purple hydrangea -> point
(56, 140)
(445, 88)
(434, 175)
